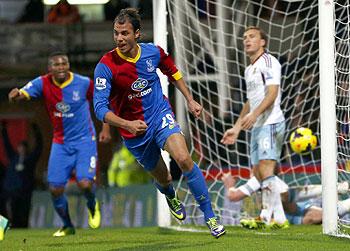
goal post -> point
(160, 36)
(328, 117)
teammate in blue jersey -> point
(66, 96)
(128, 95)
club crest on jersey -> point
(62, 107)
(139, 84)
(76, 96)
(150, 67)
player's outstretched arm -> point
(15, 94)
(136, 127)
(232, 193)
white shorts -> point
(266, 142)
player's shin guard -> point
(272, 203)
(268, 190)
(278, 211)
(198, 188)
(61, 206)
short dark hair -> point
(56, 53)
(131, 15)
(261, 31)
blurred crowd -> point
(35, 11)
(17, 180)
(19, 172)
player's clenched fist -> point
(13, 94)
(195, 108)
(137, 127)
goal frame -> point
(160, 34)
(328, 117)
(327, 111)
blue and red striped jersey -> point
(67, 105)
(130, 87)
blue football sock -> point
(61, 206)
(91, 200)
(198, 187)
(168, 191)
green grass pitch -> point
(299, 238)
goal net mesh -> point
(208, 48)
(342, 77)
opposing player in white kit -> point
(302, 205)
(262, 113)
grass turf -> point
(153, 238)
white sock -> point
(283, 187)
(343, 187)
(308, 192)
(269, 189)
(278, 211)
(312, 191)
(343, 207)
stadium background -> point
(24, 50)
(25, 46)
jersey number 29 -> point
(167, 120)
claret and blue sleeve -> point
(103, 78)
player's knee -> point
(308, 220)
(56, 191)
(266, 169)
(184, 162)
(85, 184)
(313, 216)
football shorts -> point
(64, 158)
(266, 142)
(147, 148)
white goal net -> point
(342, 80)
(208, 48)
